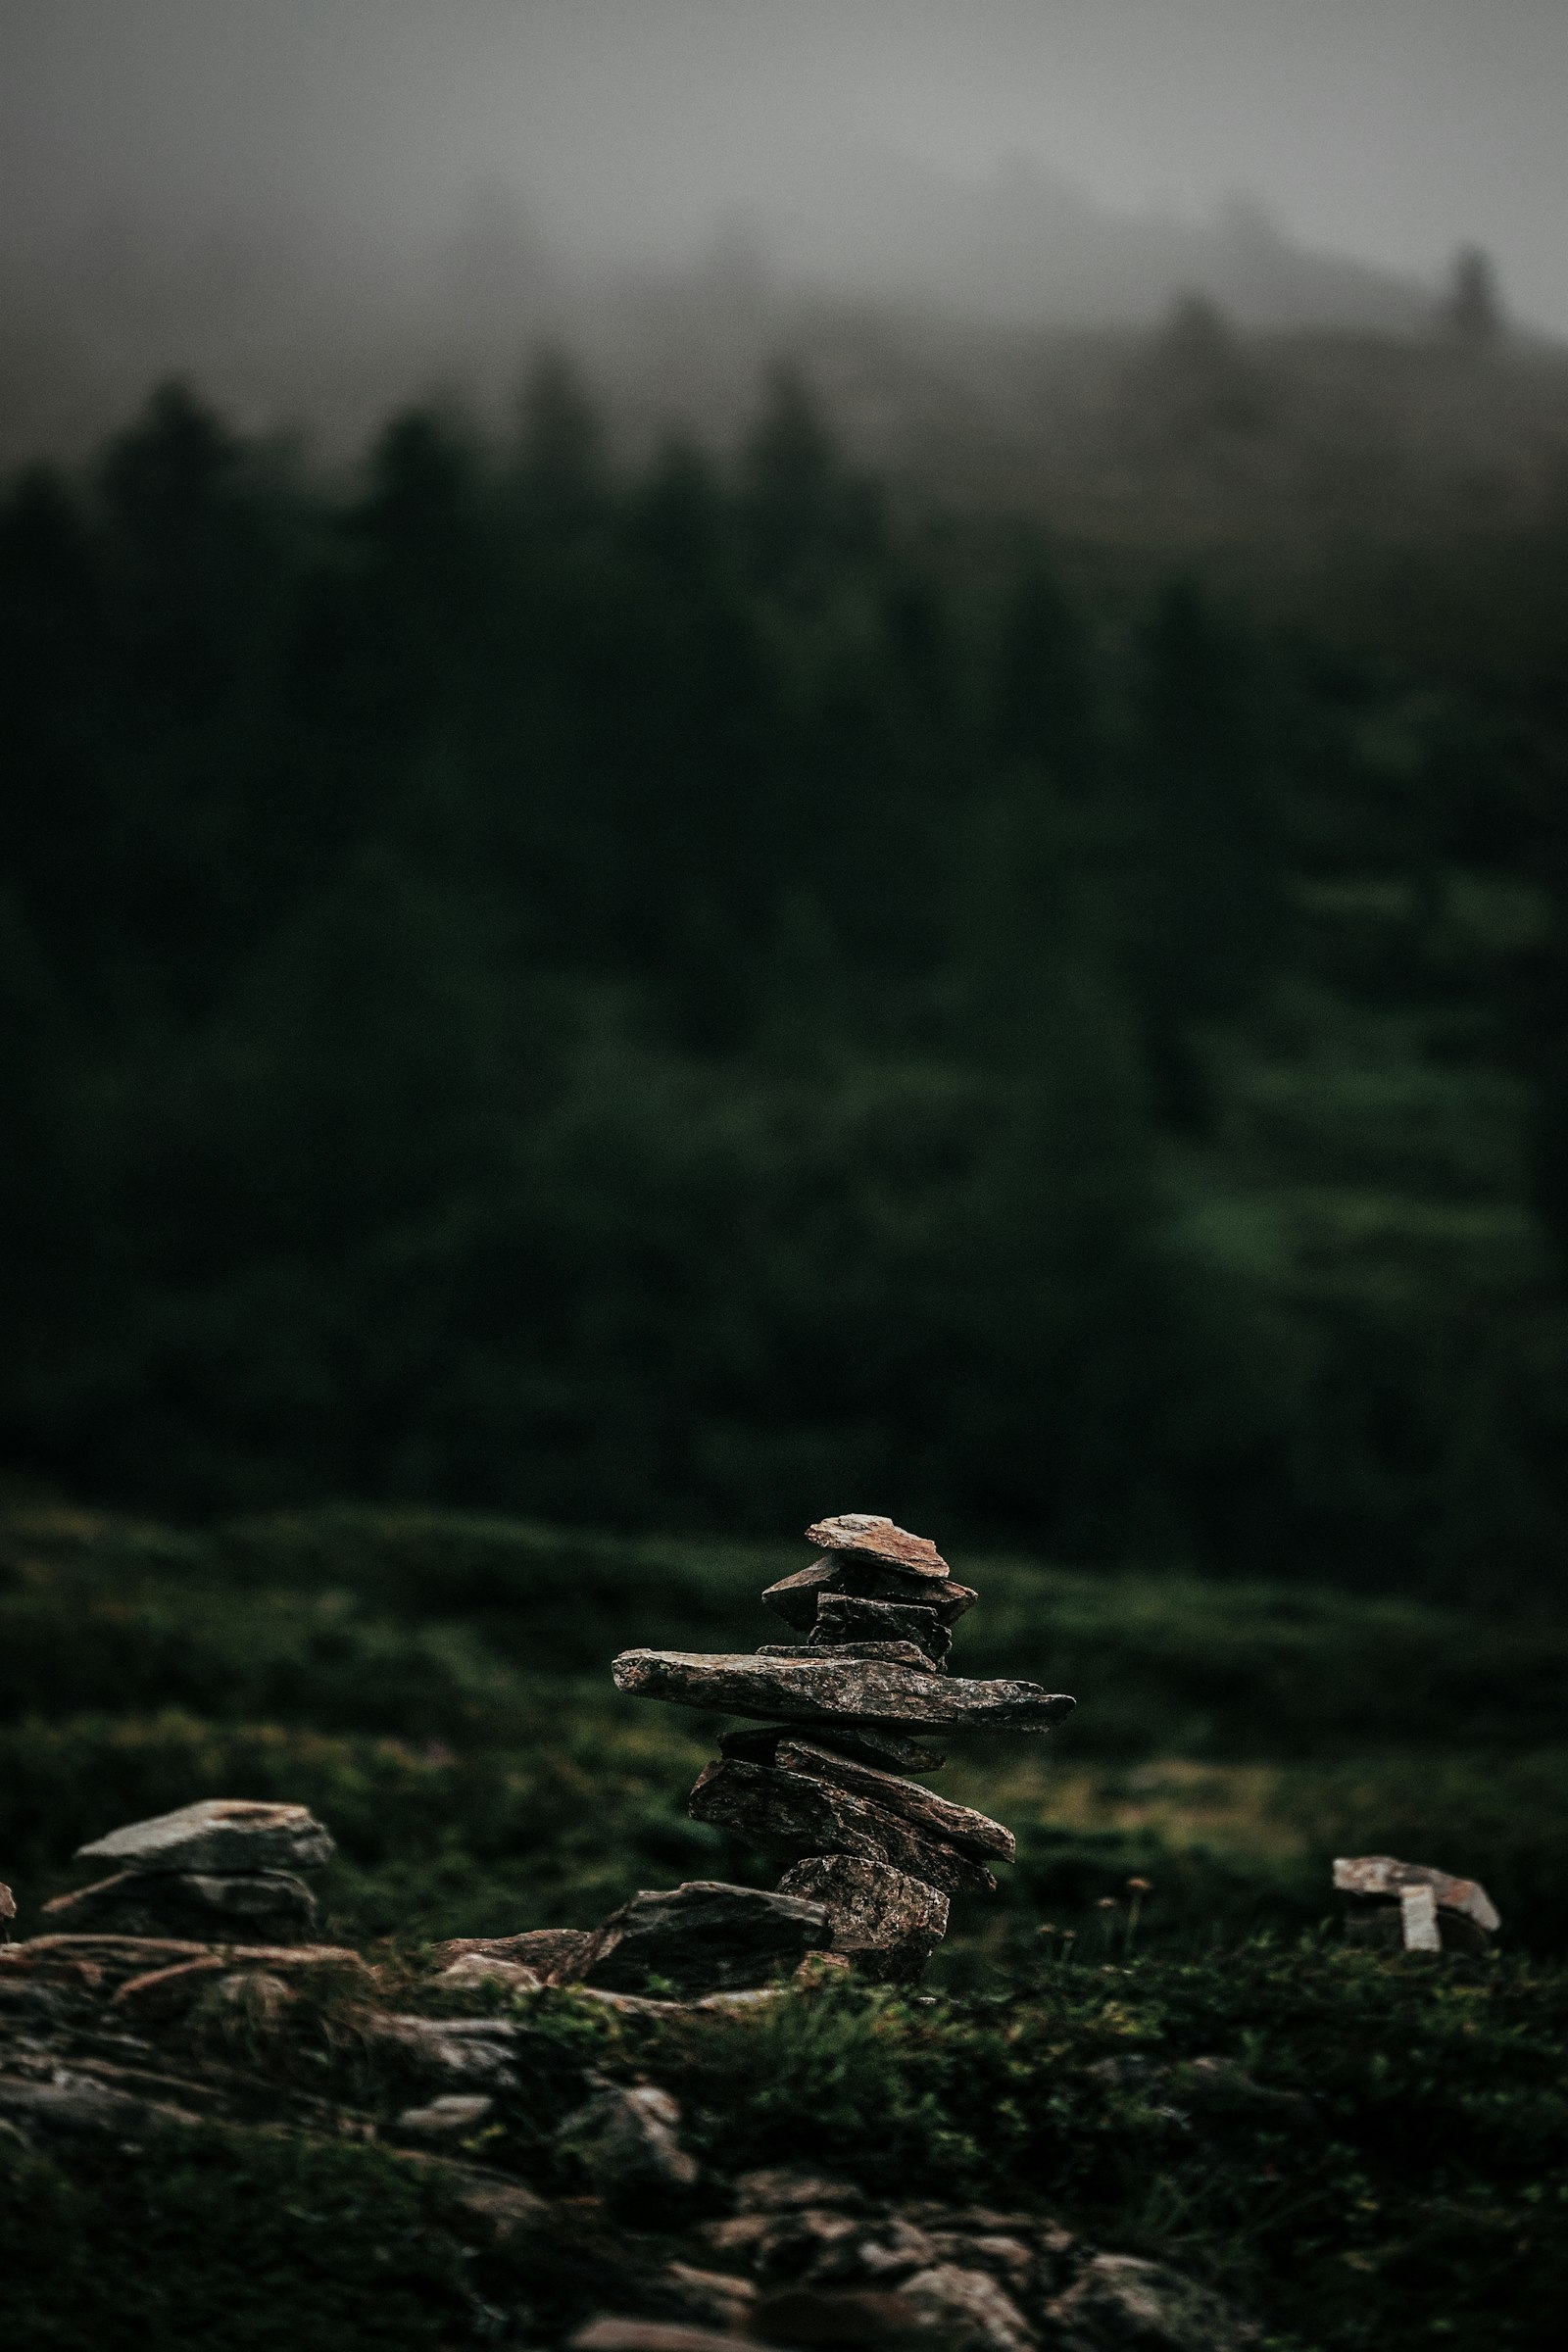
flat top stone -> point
(1382, 1874)
(818, 1687)
(866, 1531)
(221, 1833)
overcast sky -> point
(1391, 129)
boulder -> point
(702, 1938)
(815, 1687)
(785, 2189)
(797, 1598)
(1120, 2299)
(814, 1817)
(866, 1531)
(263, 1902)
(889, 1923)
(222, 1833)
(477, 1969)
(884, 1752)
(72, 2105)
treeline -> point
(692, 993)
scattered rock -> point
(214, 1907)
(99, 1955)
(628, 2142)
(455, 2117)
(867, 1531)
(859, 2318)
(783, 2189)
(222, 1833)
(479, 1968)
(75, 2105)
(702, 1938)
(890, 1923)
(737, 2239)
(814, 1687)
(714, 2296)
(555, 1954)
(796, 1811)
(655, 2335)
(1407, 1905)
(159, 1994)
(1119, 2300)
(461, 2049)
(255, 1999)
(966, 2310)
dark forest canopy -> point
(684, 993)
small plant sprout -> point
(1137, 1888)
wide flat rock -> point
(884, 1752)
(888, 1924)
(869, 1532)
(813, 1817)
(220, 1833)
(970, 1831)
(705, 1937)
(891, 1654)
(795, 1599)
(818, 1687)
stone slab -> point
(702, 1938)
(843, 1617)
(908, 1655)
(820, 1688)
(813, 1817)
(869, 1532)
(220, 1833)
(884, 1752)
(796, 1597)
(970, 1831)
(888, 1923)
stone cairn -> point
(824, 1774)
(223, 1871)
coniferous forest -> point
(677, 990)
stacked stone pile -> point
(825, 1774)
(222, 1871)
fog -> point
(285, 195)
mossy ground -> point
(435, 1690)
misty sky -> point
(1391, 129)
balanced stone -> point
(885, 1751)
(796, 1599)
(955, 1825)
(222, 1833)
(843, 1617)
(867, 1531)
(702, 1938)
(219, 1907)
(793, 1811)
(891, 1923)
(820, 1688)
(892, 1653)
(1408, 1905)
